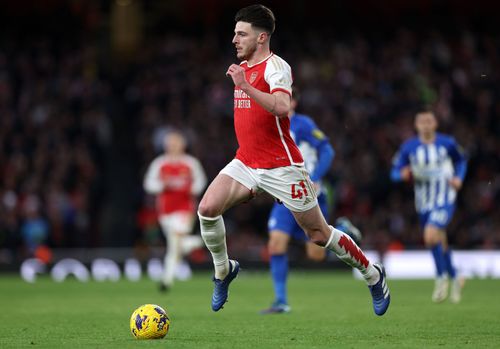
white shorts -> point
(176, 222)
(290, 184)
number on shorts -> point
(439, 216)
(298, 191)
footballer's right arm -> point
(277, 103)
(401, 170)
(152, 181)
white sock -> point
(213, 233)
(347, 250)
(171, 258)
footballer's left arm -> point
(459, 159)
(323, 148)
(325, 159)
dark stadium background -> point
(86, 87)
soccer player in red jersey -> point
(268, 160)
(175, 177)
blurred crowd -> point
(56, 130)
(53, 135)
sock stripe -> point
(209, 218)
(350, 247)
(330, 239)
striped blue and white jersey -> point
(432, 166)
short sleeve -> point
(312, 134)
(278, 75)
(152, 181)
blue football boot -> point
(221, 287)
(277, 308)
(380, 292)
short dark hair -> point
(258, 16)
(425, 108)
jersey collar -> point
(253, 65)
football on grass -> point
(149, 321)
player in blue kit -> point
(438, 166)
(318, 155)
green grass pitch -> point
(329, 310)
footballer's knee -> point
(317, 236)
(317, 232)
(430, 241)
(316, 258)
(278, 243)
(316, 254)
(432, 236)
(205, 209)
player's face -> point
(175, 144)
(426, 123)
(245, 40)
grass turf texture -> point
(329, 310)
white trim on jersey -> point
(285, 145)
(278, 74)
(253, 65)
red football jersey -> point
(264, 139)
(175, 180)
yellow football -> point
(149, 321)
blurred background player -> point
(438, 166)
(176, 178)
(318, 155)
